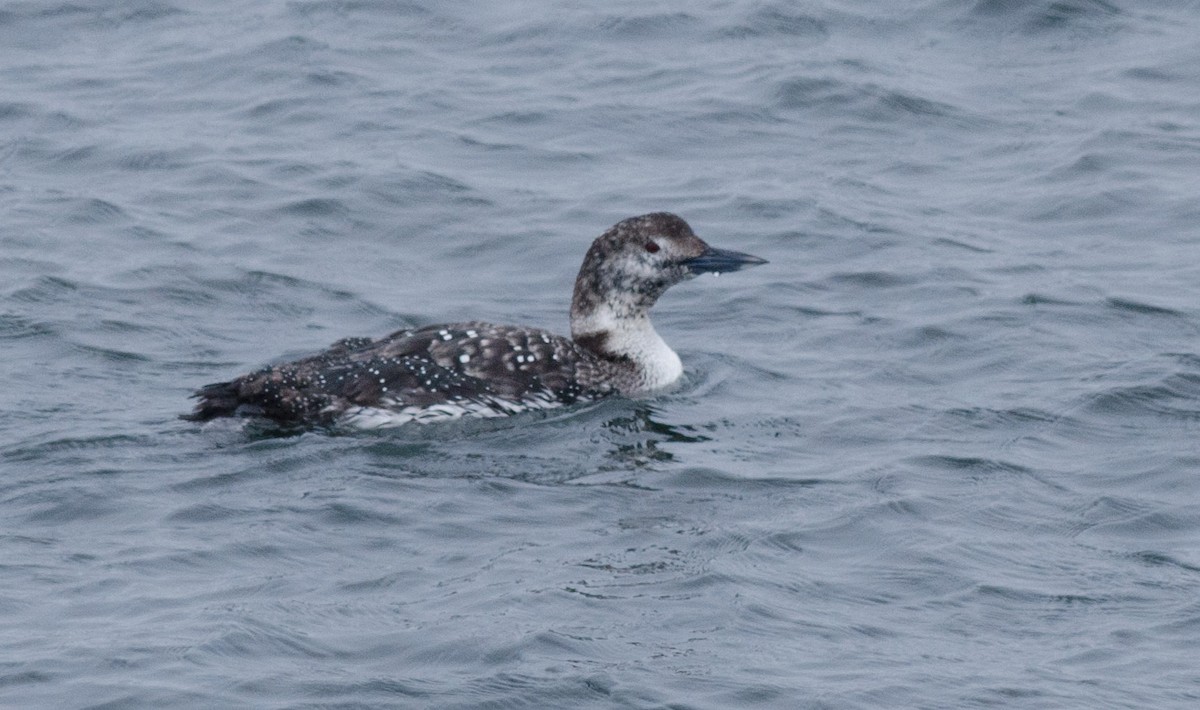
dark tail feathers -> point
(220, 399)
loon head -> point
(626, 270)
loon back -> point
(436, 372)
(479, 369)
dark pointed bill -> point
(717, 261)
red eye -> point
(652, 247)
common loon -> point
(442, 372)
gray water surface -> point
(942, 452)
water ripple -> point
(940, 452)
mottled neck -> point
(630, 338)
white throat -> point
(634, 338)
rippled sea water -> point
(942, 452)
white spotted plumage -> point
(476, 369)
